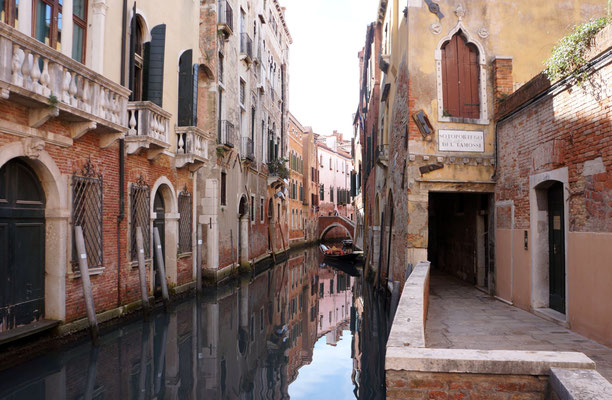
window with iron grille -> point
(184, 203)
(87, 213)
(140, 213)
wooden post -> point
(87, 293)
(142, 272)
(199, 260)
(161, 270)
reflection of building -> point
(335, 300)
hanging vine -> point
(569, 54)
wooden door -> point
(22, 246)
(556, 249)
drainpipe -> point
(121, 155)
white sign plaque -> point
(461, 141)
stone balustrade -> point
(149, 128)
(192, 147)
(45, 79)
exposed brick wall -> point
(426, 385)
(562, 130)
(503, 84)
(106, 162)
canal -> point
(299, 330)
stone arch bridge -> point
(327, 223)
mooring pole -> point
(144, 292)
(87, 293)
(199, 260)
(161, 270)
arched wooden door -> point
(22, 246)
(159, 223)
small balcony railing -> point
(149, 128)
(191, 147)
(246, 47)
(225, 21)
(382, 153)
(247, 150)
(226, 133)
(53, 85)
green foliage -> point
(52, 101)
(569, 54)
(279, 167)
(221, 151)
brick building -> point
(88, 139)
(553, 197)
(442, 68)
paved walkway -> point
(462, 317)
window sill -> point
(458, 120)
(184, 255)
(92, 271)
(134, 264)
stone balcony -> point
(149, 129)
(52, 85)
(192, 148)
(382, 154)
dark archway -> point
(22, 245)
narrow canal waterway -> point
(298, 330)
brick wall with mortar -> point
(566, 129)
(428, 385)
(105, 161)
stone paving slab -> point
(462, 317)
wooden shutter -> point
(185, 90)
(194, 107)
(460, 75)
(154, 65)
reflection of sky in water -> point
(328, 376)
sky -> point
(323, 63)
(329, 373)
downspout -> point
(121, 155)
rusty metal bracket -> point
(434, 8)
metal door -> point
(556, 249)
(158, 222)
(22, 245)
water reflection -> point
(246, 341)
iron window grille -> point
(140, 213)
(87, 192)
(184, 203)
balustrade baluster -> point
(35, 74)
(16, 66)
(26, 70)
(45, 78)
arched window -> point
(460, 78)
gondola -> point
(340, 255)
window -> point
(184, 204)
(252, 209)
(261, 210)
(322, 192)
(87, 213)
(140, 216)
(331, 194)
(9, 12)
(79, 29)
(223, 188)
(47, 17)
(330, 163)
(220, 68)
(242, 92)
(460, 78)
(137, 59)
